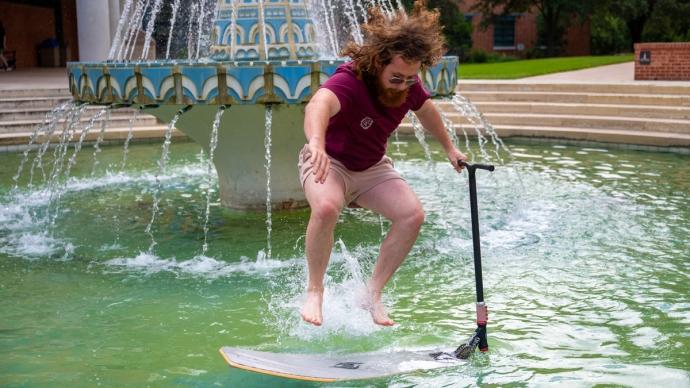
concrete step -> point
(39, 114)
(47, 103)
(116, 121)
(645, 111)
(666, 139)
(582, 98)
(23, 93)
(590, 88)
(19, 140)
(580, 121)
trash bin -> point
(49, 53)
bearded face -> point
(390, 97)
(393, 83)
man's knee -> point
(412, 218)
(326, 211)
(416, 218)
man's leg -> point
(326, 201)
(396, 201)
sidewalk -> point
(622, 73)
(34, 78)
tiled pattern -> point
(220, 83)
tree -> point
(646, 20)
(555, 16)
(456, 29)
(634, 13)
(669, 21)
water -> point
(233, 31)
(149, 27)
(210, 171)
(190, 30)
(481, 126)
(262, 23)
(162, 166)
(419, 134)
(351, 14)
(585, 272)
(175, 7)
(268, 123)
(117, 40)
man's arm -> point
(431, 120)
(322, 106)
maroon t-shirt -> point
(357, 135)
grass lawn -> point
(533, 67)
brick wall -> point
(577, 37)
(669, 61)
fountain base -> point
(239, 162)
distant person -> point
(347, 124)
(3, 44)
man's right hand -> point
(320, 162)
(322, 106)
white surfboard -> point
(334, 367)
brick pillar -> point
(662, 61)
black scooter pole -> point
(479, 337)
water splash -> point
(117, 41)
(97, 146)
(233, 31)
(38, 160)
(468, 110)
(267, 147)
(344, 294)
(153, 15)
(173, 19)
(130, 136)
(262, 23)
(355, 30)
(206, 12)
(419, 134)
(48, 126)
(190, 28)
(162, 164)
(209, 173)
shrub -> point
(610, 34)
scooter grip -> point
(487, 167)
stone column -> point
(94, 29)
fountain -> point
(585, 250)
(263, 54)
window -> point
(504, 32)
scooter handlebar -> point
(475, 166)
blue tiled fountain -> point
(271, 58)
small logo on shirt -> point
(366, 122)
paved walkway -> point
(34, 78)
(622, 73)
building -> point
(52, 32)
(516, 34)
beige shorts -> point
(356, 182)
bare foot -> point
(377, 310)
(311, 309)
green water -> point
(585, 254)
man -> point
(3, 43)
(347, 124)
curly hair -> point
(415, 37)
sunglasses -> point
(395, 80)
